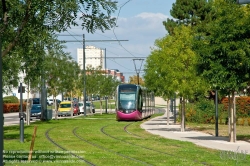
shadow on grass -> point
(13, 132)
(201, 128)
(244, 138)
(16, 136)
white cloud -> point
(145, 15)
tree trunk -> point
(182, 115)
(232, 122)
(56, 108)
(168, 109)
(28, 105)
(101, 105)
(229, 114)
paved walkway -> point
(158, 126)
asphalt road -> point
(13, 118)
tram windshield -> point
(127, 101)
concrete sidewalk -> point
(158, 126)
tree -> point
(107, 86)
(134, 80)
(28, 27)
(55, 16)
(171, 67)
(61, 72)
(224, 54)
(187, 12)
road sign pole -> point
(21, 115)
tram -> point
(133, 102)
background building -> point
(94, 57)
(116, 74)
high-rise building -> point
(95, 57)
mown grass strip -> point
(152, 149)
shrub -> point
(203, 111)
(10, 99)
(12, 104)
(242, 106)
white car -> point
(88, 104)
(50, 101)
(81, 107)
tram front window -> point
(127, 101)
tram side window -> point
(140, 104)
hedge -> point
(10, 99)
(12, 107)
(204, 111)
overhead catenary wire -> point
(116, 24)
(94, 41)
(119, 41)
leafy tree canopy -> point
(187, 12)
(224, 55)
(171, 66)
(28, 27)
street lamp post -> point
(106, 102)
(84, 75)
(216, 114)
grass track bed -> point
(103, 150)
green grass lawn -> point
(103, 141)
(110, 104)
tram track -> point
(61, 147)
(106, 149)
(126, 130)
(144, 147)
(103, 131)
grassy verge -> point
(103, 141)
(242, 131)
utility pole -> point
(84, 74)
(138, 70)
(106, 102)
(43, 96)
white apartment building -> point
(94, 57)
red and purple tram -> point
(133, 102)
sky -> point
(139, 22)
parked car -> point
(58, 101)
(64, 108)
(93, 107)
(81, 107)
(76, 110)
(35, 100)
(35, 111)
(50, 101)
(88, 104)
